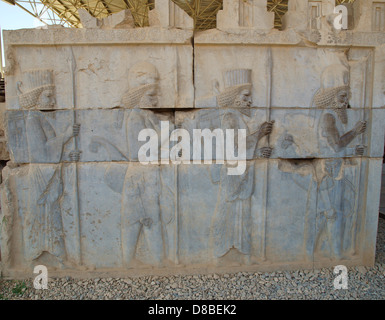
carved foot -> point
(247, 260)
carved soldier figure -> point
(142, 187)
(336, 199)
(335, 193)
(232, 224)
(43, 230)
(333, 98)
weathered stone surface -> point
(83, 54)
(302, 133)
(230, 213)
(102, 232)
(4, 154)
(284, 61)
(105, 174)
(167, 14)
(245, 14)
(105, 135)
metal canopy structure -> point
(64, 12)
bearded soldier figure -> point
(43, 230)
(142, 187)
(232, 223)
(333, 98)
(334, 212)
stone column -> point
(250, 14)
(167, 14)
(328, 7)
(297, 16)
(370, 15)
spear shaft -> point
(268, 116)
(74, 155)
(358, 177)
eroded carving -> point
(235, 100)
(143, 212)
(333, 97)
(237, 92)
(336, 204)
(245, 14)
(232, 223)
(143, 83)
(334, 215)
(42, 225)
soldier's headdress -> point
(334, 79)
(34, 83)
(142, 77)
(235, 82)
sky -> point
(13, 17)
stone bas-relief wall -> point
(76, 198)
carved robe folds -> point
(310, 102)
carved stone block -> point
(68, 231)
(97, 61)
(240, 14)
(163, 151)
(168, 14)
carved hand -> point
(265, 152)
(266, 128)
(360, 127)
(360, 150)
(76, 129)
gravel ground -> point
(364, 284)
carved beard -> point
(240, 103)
(340, 109)
(148, 102)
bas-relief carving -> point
(7, 216)
(147, 202)
(233, 111)
(42, 223)
(135, 116)
(329, 130)
(149, 195)
(333, 97)
(337, 191)
(168, 14)
(334, 216)
(232, 222)
(11, 61)
(147, 209)
(240, 14)
(148, 219)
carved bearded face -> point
(150, 98)
(244, 99)
(340, 104)
(47, 99)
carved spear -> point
(75, 157)
(358, 177)
(269, 73)
(176, 193)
